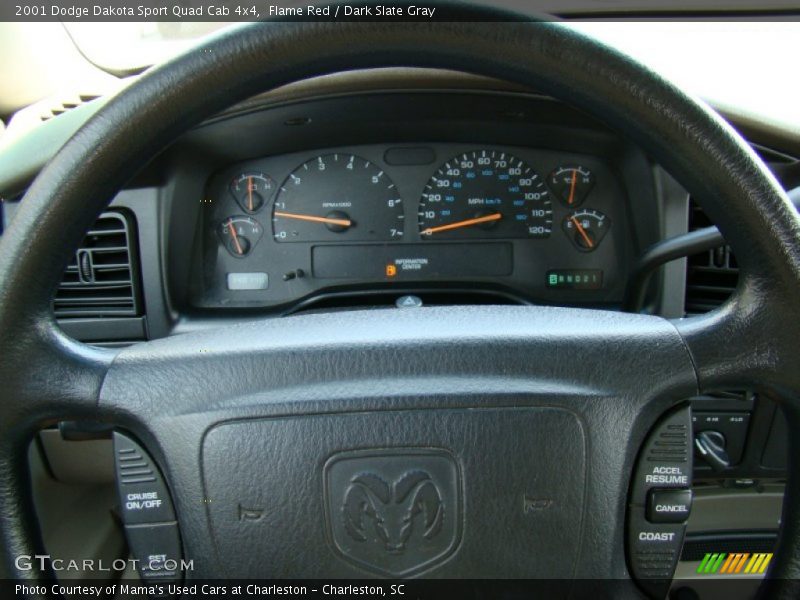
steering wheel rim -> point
(47, 376)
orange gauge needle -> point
(341, 222)
(235, 237)
(250, 193)
(572, 186)
(459, 224)
(583, 233)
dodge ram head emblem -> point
(395, 512)
(392, 509)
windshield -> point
(739, 66)
(130, 46)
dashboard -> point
(359, 189)
(530, 224)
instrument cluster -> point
(532, 224)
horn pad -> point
(448, 493)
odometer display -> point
(485, 194)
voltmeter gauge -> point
(571, 184)
(240, 234)
(252, 190)
(586, 228)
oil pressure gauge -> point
(252, 190)
(586, 228)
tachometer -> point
(485, 194)
(337, 197)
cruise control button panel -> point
(147, 511)
(660, 502)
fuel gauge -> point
(586, 228)
(240, 234)
(252, 190)
(571, 184)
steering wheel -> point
(503, 404)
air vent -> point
(102, 278)
(711, 276)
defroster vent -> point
(102, 279)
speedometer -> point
(337, 197)
(485, 194)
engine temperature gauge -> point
(252, 190)
(586, 228)
(571, 184)
(240, 234)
